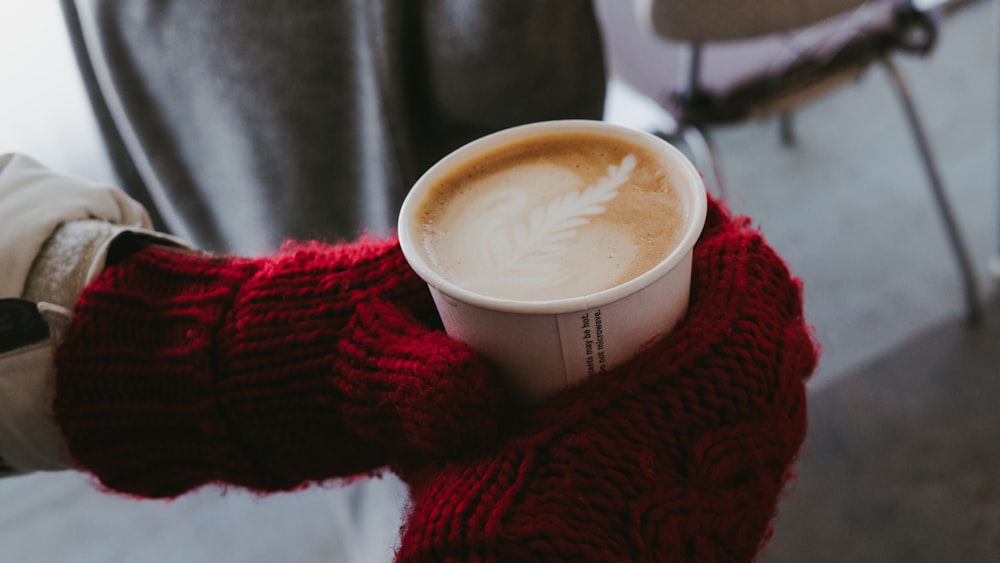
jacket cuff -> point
(74, 255)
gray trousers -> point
(245, 122)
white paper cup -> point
(541, 347)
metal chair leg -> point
(974, 311)
(705, 154)
(786, 128)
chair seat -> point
(755, 78)
(751, 78)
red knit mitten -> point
(678, 456)
(182, 369)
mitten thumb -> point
(423, 393)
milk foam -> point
(534, 231)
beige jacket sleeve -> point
(55, 231)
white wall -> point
(44, 111)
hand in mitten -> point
(680, 455)
(182, 369)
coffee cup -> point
(558, 250)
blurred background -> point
(902, 462)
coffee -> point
(554, 216)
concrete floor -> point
(902, 461)
(902, 458)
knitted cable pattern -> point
(182, 369)
(679, 456)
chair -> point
(734, 61)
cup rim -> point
(409, 242)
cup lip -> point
(415, 258)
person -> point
(164, 369)
(244, 124)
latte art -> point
(551, 219)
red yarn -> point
(679, 456)
(182, 369)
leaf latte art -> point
(547, 223)
(531, 250)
